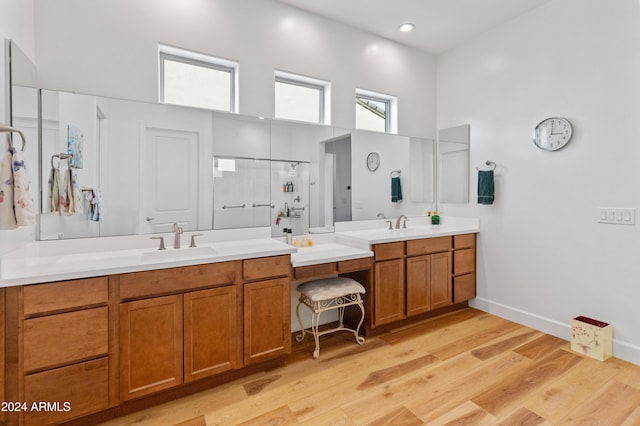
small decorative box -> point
(591, 337)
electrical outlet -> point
(618, 216)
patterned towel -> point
(53, 201)
(7, 215)
(22, 199)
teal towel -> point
(396, 190)
(485, 187)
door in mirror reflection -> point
(169, 183)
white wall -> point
(16, 23)
(109, 47)
(543, 259)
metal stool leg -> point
(359, 338)
(300, 337)
(315, 320)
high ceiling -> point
(439, 24)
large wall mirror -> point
(119, 167)
(22, 106)
(453, 164)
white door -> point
(169, 179)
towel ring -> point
(399, 172)
(7, 129)
(490, 164)
(60, 156)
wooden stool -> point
(327, 294)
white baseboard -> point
(622, 350)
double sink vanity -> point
(111, 325)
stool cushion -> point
(330, 288)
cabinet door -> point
(418, 285)
(441, 280)
(267, 320)
(150, 345)
(389, 291)
(210, 332)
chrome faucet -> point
(404, 224)
(176, 239)
(381, 216)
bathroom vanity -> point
(99, 333)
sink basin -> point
(178, 254)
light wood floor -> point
(465, 368)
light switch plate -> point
(618, 216)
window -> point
(375, 111)
(301, 98)
(198, 80)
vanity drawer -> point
(464, 261)
(464, 288)
(173, 280)
(62, 295)
(312, 271)
(464, 241)
(355, 265)
(428, 245)
(84, 386)
(64, 338)
(389, 250)
(266, 267)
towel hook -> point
(8, 129)
(399, 172)
(490, 164)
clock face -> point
(373, 161)
(553, 133)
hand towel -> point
(396, 190)
(76, 193)
(485, 187)
(22, 198)
(66, 193)
(53, 202)
(7, 214)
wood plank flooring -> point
(465, 368)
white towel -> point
(7, 215)
(23, 200)
(70, 196)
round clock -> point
(373, 161)
(553, 133)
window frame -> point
(188, 57)
(323, 87)
(391, 102)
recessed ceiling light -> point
(405, 28)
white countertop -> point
(325, 253)
(29, 265)
(48, 261)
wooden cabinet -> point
(428, 275)
(65, 348)
(464, 267)
(211, 332)
(415, 277)
(267, 308)
(389, 291)
(169, 340)
(150, 345)
(267, 320)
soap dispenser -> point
(435, 219)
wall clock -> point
(553, 133)
(373, 161)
